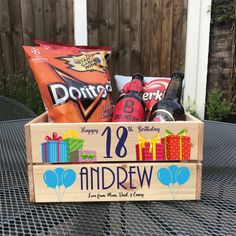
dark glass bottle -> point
(170, 109)
(130, 106)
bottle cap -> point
(178, 74)
(137, 76)
(162, 115)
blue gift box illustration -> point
(54, 150)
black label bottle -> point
(130, 106)
(170, 109)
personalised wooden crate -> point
(151, 160)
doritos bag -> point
(74, 82)
(153, 90)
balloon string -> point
(174, 192)
(171, 191)
(63, 193)
(59, 190)
(177, 191)
(56, 194)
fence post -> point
(80, 22)
(197, 48)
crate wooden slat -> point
(137, 187)
(95, 136)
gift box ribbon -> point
(142, 140)
(70, 134)
(54, 137)
(181, 134)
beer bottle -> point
(170, 109)
(130, 106)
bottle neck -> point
(174, 89)
(136, 85)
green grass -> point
(22, 89)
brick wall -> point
(220, 51)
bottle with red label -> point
(130, 106)
(170, 109)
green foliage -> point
(23, 90)
(216, 108)
(190, 106)
(223, 12)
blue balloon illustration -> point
(164, 176)
(173, 170)
(59, 171)
(50, 178)
(182, 175)
(69, 177)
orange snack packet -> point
(74, 82)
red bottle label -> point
(128, 109)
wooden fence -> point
(22, 21)
(147, 36)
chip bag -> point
(153, 90)
(74, 82)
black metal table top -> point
(215, 214)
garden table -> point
(215, 214)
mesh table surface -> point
(215, 214)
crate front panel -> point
(115, 182)
(112, 142)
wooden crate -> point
(111, 167)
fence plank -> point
(184, 33)
(177, 32)
(27, 28)
(135, 36)
(17, 37)
(167, 17)
(70, 21)
(27, 22)
(92, 6)
(64, 34)
(146, 31)
(125, 10)
(50, 19)
(156, 38)
(103, 22)
(113, 34)
(61, 21)
(6, 39)
(38, 16)
(58, 20)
